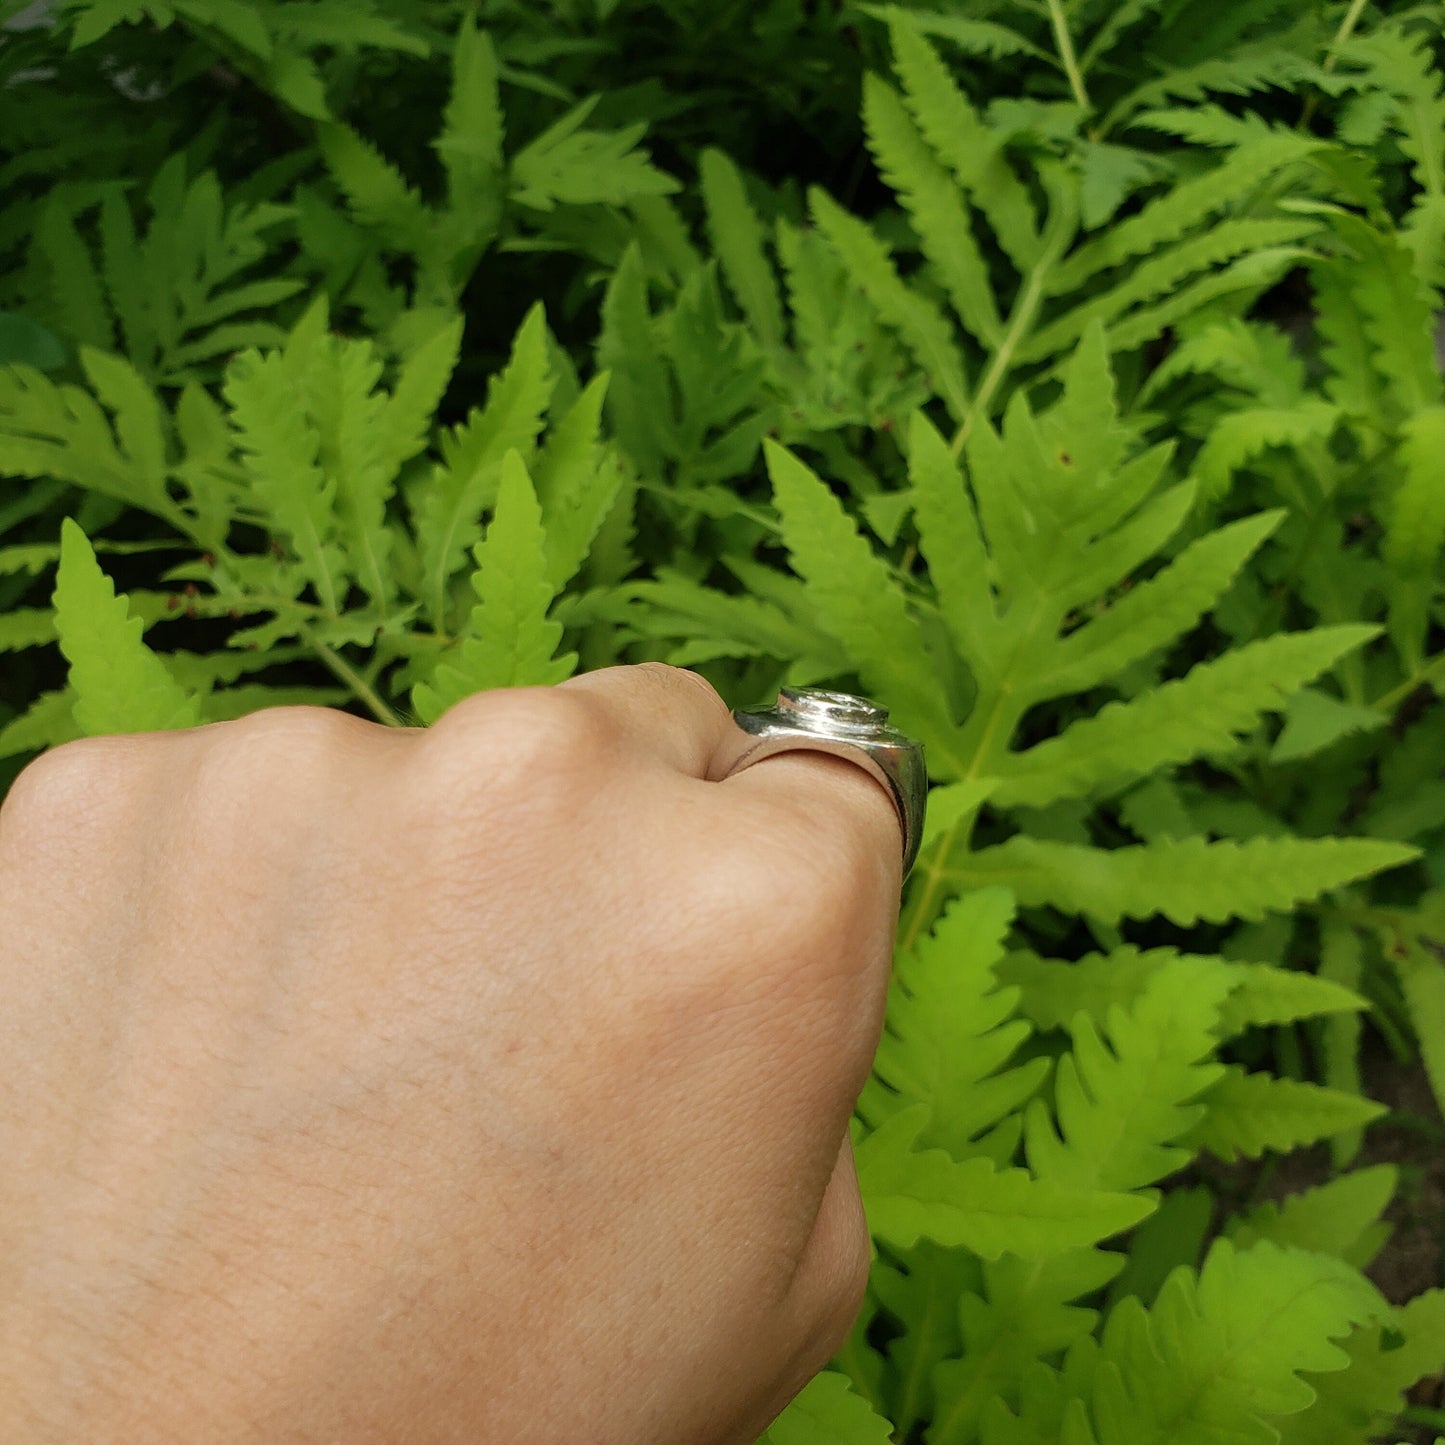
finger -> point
(832, 799)
(661, 712)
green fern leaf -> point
(950, 541)
(1340, 1217)
(964, 143)
(375, 191)
(949, 1031)
(1181, 209)
(1241, 436)
(738, 242)
(421, 383)
(1158, 610)
(281, 445)
(23, 627)
(1221, 1352)
(933, 204)
(470, 142)
(1204, 712)
(1120, 1106)
(583, 167)
(448, 510)
(1415, 531)
(77, 304)
(119, 684)
(512, 642)
(46, 723)
(1384, 1361)
(1420, 964)
(919, 323)
(910, 1195)
(857, 600)
(1186, 881)
(1053, 991)
(1249, 1113)
(827, 1412)
(577, 483)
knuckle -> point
(518, 745)
(74, 787)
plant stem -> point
(1069, 60)
(363, 690)
(1347, 28)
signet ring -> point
(815, 719)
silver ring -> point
(816, 720)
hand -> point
(488, 1083)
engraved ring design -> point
(814, 719)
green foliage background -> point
(1062, 373)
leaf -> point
(738, 241)
(934, 205)
(1206, 711)
(1249, 1113)
(511, 643)
(281, 444)
(949, 1031)
(1316, 720)
(1220, 1350)
(827, 1412)
(1332, 1218)
(1158, 609)
(1121, 1105)
(857, 600)
(917, 320)
(909, 1195)
(1185, 880)
(448, 511)
(567, 163)
(119, 684)
(470, 142)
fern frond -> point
(567, 163)
(827, 1412)
(119, 684)
(512, 642)
(1384, 1362)
(935, 208)
(1249, 1113)
(447, 510)
(943, 994)
(916, 1194)
(738, 241)
(1169, 217)
(472, 131)
(1206, 711)
(1222, 1352)
(1340, 1217)
(1185, 880)
(916, 319)
(964, 143)
(1122, 1104)
(1158, 609)
(281, 445)
(857, 600)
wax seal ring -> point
(813, 719)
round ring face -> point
(849, 727)
(820, 710)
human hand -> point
(487, 1084)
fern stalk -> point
(1069, 60)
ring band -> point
(814, 719)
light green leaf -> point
(1249, 1113)
(827, 1412)
(120, 685)
(512, 643)
(911, 1195)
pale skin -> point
(488, 1083)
